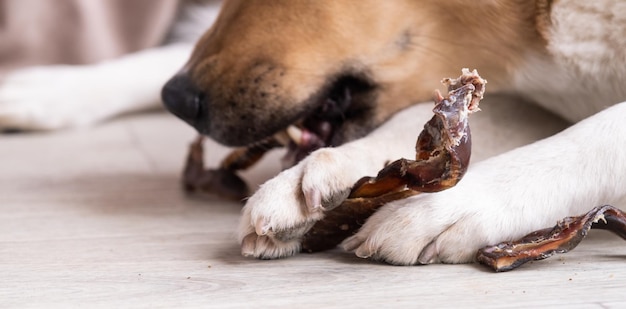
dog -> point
(338, 71)
(346, 75)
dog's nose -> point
(183, 99)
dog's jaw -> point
(340, 114)
(328, 111)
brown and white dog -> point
(344, 74)
(340, 69)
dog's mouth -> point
(344, 103)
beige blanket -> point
(35, 32)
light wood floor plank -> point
(96, 218)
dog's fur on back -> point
(347, 72)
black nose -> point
(184, 100)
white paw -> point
(418, 230)
(56, 97)
(46, 98)
(449, 226)
(277, 216)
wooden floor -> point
(96, 218)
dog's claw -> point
(262, 226)
(248, 245)
(357, 245)
(313, 200)
(351, 243)
(429, 254)
(363, 252)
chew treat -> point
(300, 139)
(224, 180)
(561, 238)
(443, 154)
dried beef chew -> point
(223, 181)
(443, 152)
(561, 238)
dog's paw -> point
(48, 98)
(64, 96)
(430, 228)
(485, 208)
(277, 216)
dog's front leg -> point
(505, 197)
(277, 216)
(63, 96)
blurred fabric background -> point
(36, 32)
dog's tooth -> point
(248, 244)
(295, 134)
(282, 138)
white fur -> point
(281, 203)
(64, 96)
(56, 97)
(499, 199)
(504, 197)
(586, 69)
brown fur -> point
(266, 64)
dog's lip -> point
(321, 125)
(308, 133)
(317, 129)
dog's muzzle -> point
(184, 100)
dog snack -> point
(563, 237)
(224, 180)
(443, 153)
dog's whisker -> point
(494, 50)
